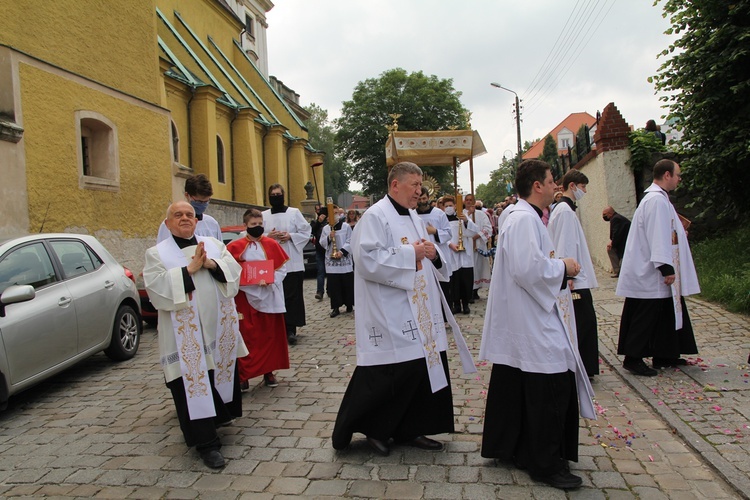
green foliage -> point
(549, 154)
(322, 137)
(497, 188)
(706, 79)
(425, 103)
(642, 145)
(723, 266)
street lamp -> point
(518, 118)
(316, 164)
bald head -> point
(181, 219)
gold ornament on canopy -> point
(431, 184)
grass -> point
(723, 266)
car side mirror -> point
(14, 294)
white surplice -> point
(656, 238)
(529, 322)
(482, 268)
(466, 257)
(293, 222)
(399, 315)
(269, 298)
(567, 236)
(437, 219)
(343, 242)
(210, 310)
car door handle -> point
(109, 284)
(64, 301)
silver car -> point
(63, 297)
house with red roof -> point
(564, 134)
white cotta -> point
(293, 222)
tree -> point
(549, 154)
(322, 136)
(424, 102)
(707, 79)
(497, 188)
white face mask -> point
(578, 194)
(450, 211)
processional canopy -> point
(433, 148)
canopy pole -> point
(455, 174)
(471, 172)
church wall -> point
(98, 40)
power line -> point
(576, 53)
(574, 35)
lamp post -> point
(518, 118)
(316, 164)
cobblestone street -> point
(109, 430)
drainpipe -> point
(231, 142)
(189, 127)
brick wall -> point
(612, 131)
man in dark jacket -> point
(619, 226)
(317, 225)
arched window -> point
(175, 144)
(98, 151)
(221, 174)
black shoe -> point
(319, 296)
(213, 459)
(563, 480)
(425, 443)
(668, 362)
(475, 295)
(638, 367)
(379, 447)
(335, 312)
(291, 339)
(349, 309)
(466, 309)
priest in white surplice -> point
(400, 388)
(289, 228)
(191, 281)
(657, 273)
(567, 236)
(479, 247)
(531, 418)
(440, 233)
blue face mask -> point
(199, 206)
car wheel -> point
(126, 334)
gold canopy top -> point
(433, 148)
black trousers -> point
(462, 286)
(201, 432)
(588, 335)
(294, 301)
(531, 419)
(341, 289)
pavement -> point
(109, 430)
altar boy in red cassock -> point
(261, 307)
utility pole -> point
(517, 112)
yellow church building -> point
(106, 108)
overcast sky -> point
(323, 48)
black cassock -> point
(531, 419)
(647, 329)
(587, 333)
(394, 401)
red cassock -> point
(264, 333)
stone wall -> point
(610, 183)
